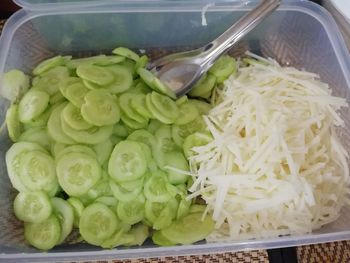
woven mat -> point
(335, 252)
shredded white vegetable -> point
(275, 165)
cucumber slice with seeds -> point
(122, 79)
(187, 113)
(43, 235)
(33, 103)
(13, 161)
(131, 212)
(77, 173)
(37, 171)
(32, 207)
(97, 223)
(100, 108)
(127, 162)
(73, 117)
(204, 86)
(55, 127)
(75, 93)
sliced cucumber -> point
(14, 159)
(95, 74)
(37, 171)
(189, 229)
(97, 223)
(32, 207)
(100, 108)
(72, 116)
(127, 162)
(65, 214)
(12, 121)
(33, 103)
(77, 173)
(43, 235)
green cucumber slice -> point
(138, 104)
(78, 208)
(140, 232)
(127, 162)
(65, 214)
(122, 194)
(223, 68)
(13, 161)
(194, 140)
(202, 107)
(32, 207)
(156, 113)
(131, 212)
(14, 85)
(122, 79)
(176, 159)
(51, 80)
(48, 64)
(97, 223)
(77, 173)
(100, 108)
(159, 239)
(187, 113)
(132, 123)
(95, 74)
(155, 188)
(43, 235)
(72, 115)
(189, 229)
(142, 136)
(125, 52)
(76, 148)
(33, 103)
(125, 105)
(12, 121)
(75, 93)
(37, 171)
(55, 128)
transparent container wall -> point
(293, 38)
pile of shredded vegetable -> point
(275, 165)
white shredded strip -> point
(204, 10)
(274, 166)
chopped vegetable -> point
(274, 165)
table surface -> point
(334, 252)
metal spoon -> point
(180, 71)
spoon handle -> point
(238, 30)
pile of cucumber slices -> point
(101, 147)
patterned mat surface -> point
(335, 252)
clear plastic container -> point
(299, 33)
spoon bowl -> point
(180, 71)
